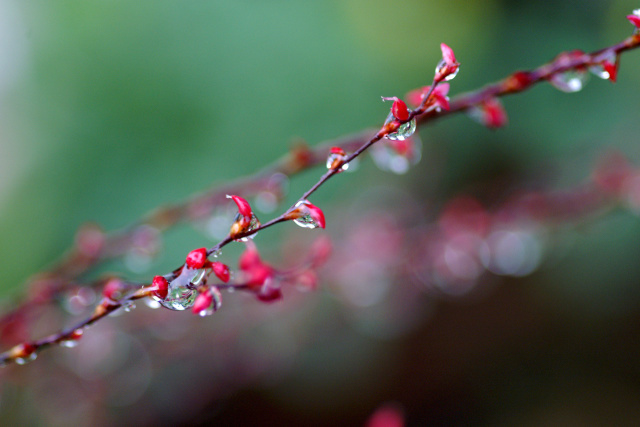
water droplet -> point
(24, 360)
(305, 221)
(440, 69)
(73, 339)
(182, 290)
(253, 224)
(152, 303)
(569, 81)
(215, 304)
(335, 159)
(128, 306)
(397, 156)
(600, 70)
(404, 131)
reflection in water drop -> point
(569, 81)
(182, 292)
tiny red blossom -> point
(337, 150)
(386, 416)
(320, 251)
(76, 334)
(197, 258)
(611, 69)
(160, 287)
(398, 109)
(22, 351)
(448, 67)
(494, 114)
(243, 206)
(256, 272)
(448, 55)
(316, 214)
(202, 302)
(635, 19)
(518, 81)
(221, 271)
(269, 294)
(113, 289)
(438, 97)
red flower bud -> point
(337, 150)
(24, 352)
(307, 215)
(243, 206)
(448, 67)
(221, 271)
(518, 81)
(386, 416)
(316, 214)
(160, 287)
(438, 97)
(320, 251)
(398, 109)
(447, 54)
(635, 18)
(256, 272)
(197, 258)
(113, 289)
(202, 302)
(612, 69)
(494, 114)
(269, 293)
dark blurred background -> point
(109, 109)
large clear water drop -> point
(335, 159)
(305, 221)
(215, 304)
(404, 131)
(441, 65)
(182, 290)
(569, 81)
(254, 223)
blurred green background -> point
(109, 109)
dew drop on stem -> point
(306, 220)
(182, 290)
(569, 81)
(404, 131)
(440, 68)
(24, 360)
